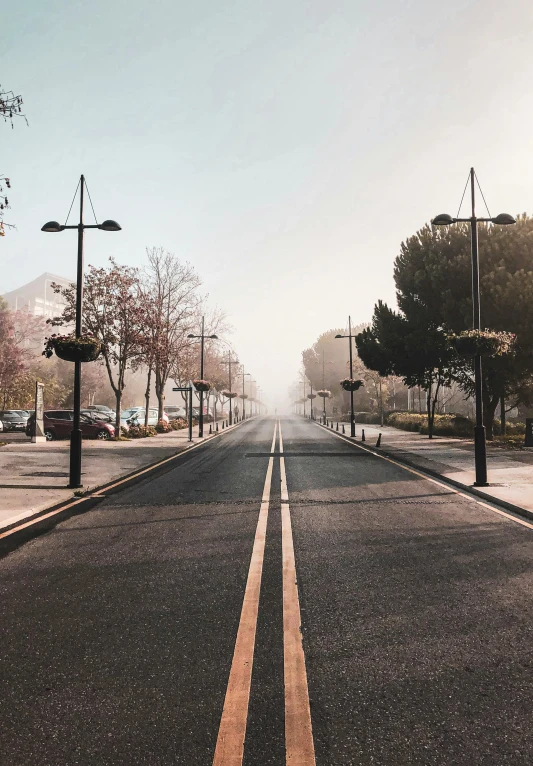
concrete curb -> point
(22, 530)
(466, 488)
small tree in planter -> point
(87, 348)
(201, 385)
(483, 342)
(349, 384)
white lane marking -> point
(299, 745)
(232, 731)
(432, 480)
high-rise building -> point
(38, 297)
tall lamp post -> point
(504, 219)
(253, 396)
(75, 436)
(202, 338)
(244, 374)
(229, 363)
(350, 336)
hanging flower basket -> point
(201, 385)
(243, 396)
(324, 394)
(229, 394)
(349, 384)
(87, 348)
(311, 396)
(483, 342)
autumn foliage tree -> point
(113, 313)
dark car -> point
(58, 425)
(105, 417)
(13, 420)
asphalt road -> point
(122, 639)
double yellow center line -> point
(299, 747)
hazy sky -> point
(284, 147)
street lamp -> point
(244, 374)
(503, 219)
(75, 436)
(229, 363)
(202, 338)
(350, 336)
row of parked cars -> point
(96, 421)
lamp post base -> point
(480, 451)
(75, 460)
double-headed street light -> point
(504, 219)
(350, 336)
(75, 436)
(202, 338)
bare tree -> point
(10, 108)
(172, 286)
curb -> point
(23, 530)
(466, 488)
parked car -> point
(135, 416)
(58, 425)
(106, 417)
(174, 411)
(12, 420)
(102, 408)
(1, 426)
(24, 414)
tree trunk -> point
(430, 412)
(118, 404)
(160, 393)
(147, 397)
(503, 417)
(489, 410)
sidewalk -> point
(510, 472)
(34, 477)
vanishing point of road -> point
(278, 596)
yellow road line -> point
(432, 480)
(299, 746)
(230, 741)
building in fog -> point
(38, 297)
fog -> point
(284, 149)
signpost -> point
(38, 431)
(189, 389)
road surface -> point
(163, 626)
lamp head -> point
(190, 335)
(442, 220)
(52, 226)
(214, 337)
(110, 226)
(504, 219)
(339, 336)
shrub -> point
(139, 432)
(177, 424)
(163, 427)
(407, 421)
(365, 417)
(450, 425)
(511, 428)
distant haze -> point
(284, 148)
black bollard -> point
(223, 424)
(210, 428)
(216, 429)
(331, 424)
(363, 436)
(378, 443)
(343, 431)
